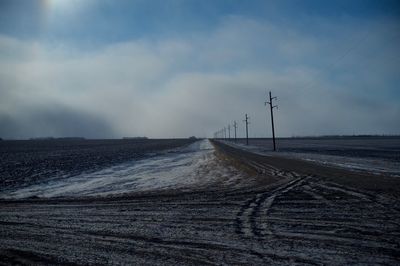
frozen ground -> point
(380, 155)
(184, 168)
(27, 162)
(191, 207)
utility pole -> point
(247, 129)
(272, 106)
(235, 127)
(229, 131)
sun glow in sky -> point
(58, 10)
(173, 68)
(61, 4)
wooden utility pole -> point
(247, 129)
(235, 127)
(272, 117)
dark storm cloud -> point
(53, 121)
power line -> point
(331, 65)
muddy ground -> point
(283, 212)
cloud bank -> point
(341, 79)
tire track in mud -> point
(251, 220)
(246, 218)
(320, 214)
(329, 222)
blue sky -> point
(107, 21)
(177, 68)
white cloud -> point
(196, 84)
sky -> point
(177, 68)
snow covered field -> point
(190, 206)
(182, 168)
(28, 162)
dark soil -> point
(30, 161)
